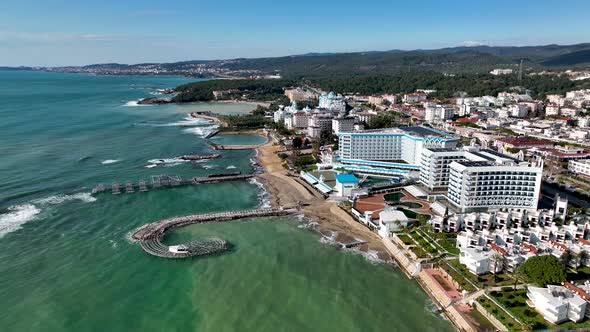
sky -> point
(58, 33)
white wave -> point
(133, 103)
(370, 255)
(167, 161)
(151, 166)
(208, 166)
(109, 161)
(186, 122)
(263, 195)
(58, 199)
(231, 167)
(17, 216)
(200, 131)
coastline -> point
(336, 225)
(332, 221)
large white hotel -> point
(471, 179)
(478, 180)
(391, 151)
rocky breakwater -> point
(154, 101)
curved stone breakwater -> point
(150, 236)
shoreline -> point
(332, 222)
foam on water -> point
(263, 195)
(231, 167)
(133, 103)
(58, 199)
(17, 216)
(200, 131)
(109, 161)
(185, 122)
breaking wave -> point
(263, 195)
(134, 103)
(58, 199)
(18, 215)
(109, 161)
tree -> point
(518, 275)
(498, 260)
(543, 270)
(583, 257)
(566, 258)
(297, 143)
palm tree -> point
(583, 257)
(566, 258)
(498, 260)
(519, 276)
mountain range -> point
(452, 60)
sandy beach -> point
(288, 191)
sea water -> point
(66, 262)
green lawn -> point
(420, 252)
(515, 301)
(500, 314)
(480, 321)
(426, 246)
(405, 238)
(488, 279)
(458, 277)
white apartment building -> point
(551, 109)
(500, 71)
(519, 110)
(498, 183)
(343, 124)
(438, 113)
(581, 166)
(435, 165)
(300, 120)
(476, 260)
(557, 304)
(321, 121)
(417, 97)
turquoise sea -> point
(66, 263)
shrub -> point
(510, 324)
(543, 270)
(494, 311)
(506, 289)
(510, 296)
(494, 293)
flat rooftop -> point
(416, 131)
(422, 131)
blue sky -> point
(52, 32)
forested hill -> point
(450, 60)
(475, 59)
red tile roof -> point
(529, 246)
(577, 290)
(495, 247)
(582, 241)
(560, 245)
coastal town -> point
(482, 200)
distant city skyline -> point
(35, 33)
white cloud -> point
(470, 43)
